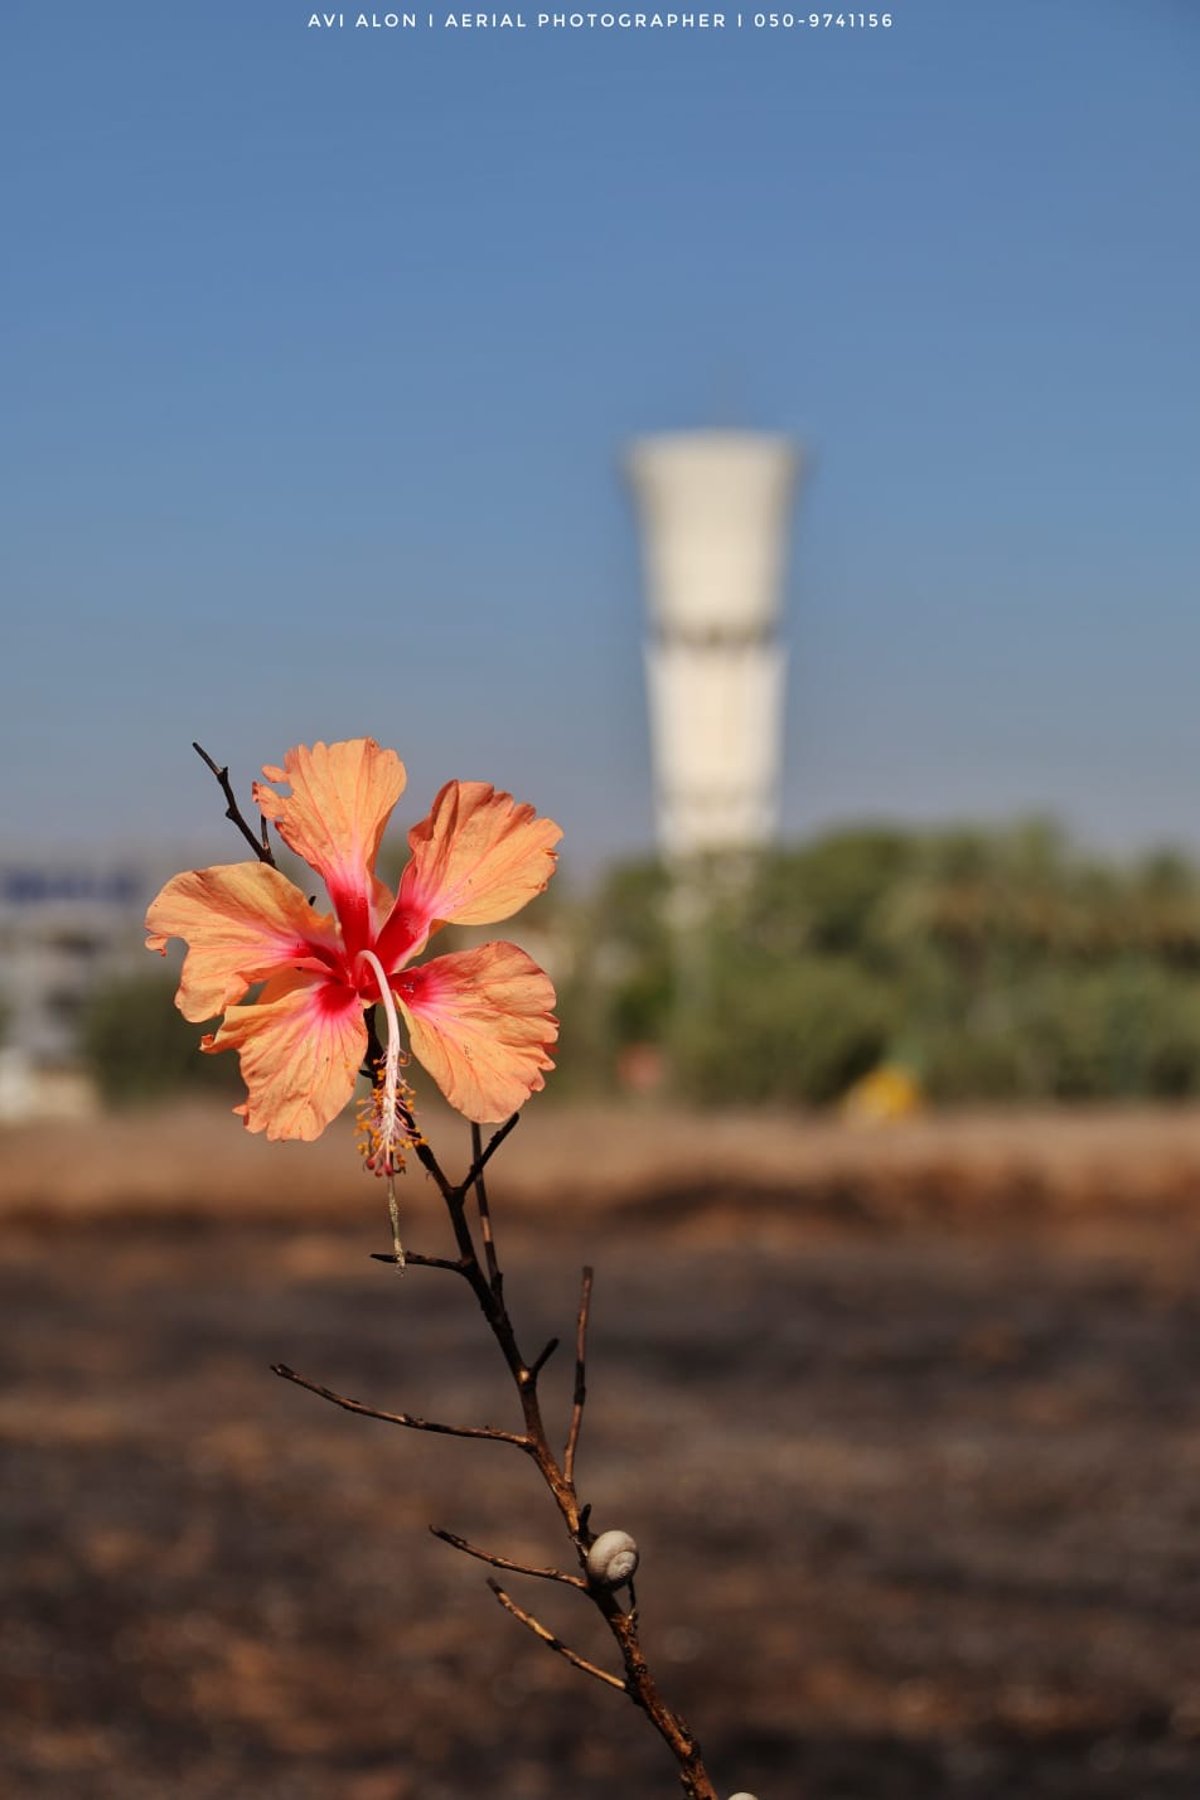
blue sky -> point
(319, 349)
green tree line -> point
(992, 964)
(996, 964)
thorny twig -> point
(486, 1282)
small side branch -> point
(580, 1396)
(506, 1562)
(542, 1358)
(484, 1157)
(553, 1643)
(425, 1156)
(485, 1218)
(427, 1159)
(260, 846)
(414, 1261)
(395, 1418)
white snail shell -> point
(612, 1559)
(741, 1796)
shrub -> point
(139, 1047)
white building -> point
(714, 509)
(66, 926)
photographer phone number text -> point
(817, 21)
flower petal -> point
(480, 1021)
(477, 858)
(341, 799)
(301, 1045)
(243, 921)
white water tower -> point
(714, 508)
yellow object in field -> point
(888, 1093)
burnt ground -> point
(919, 1509)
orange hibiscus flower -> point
(479, 1020)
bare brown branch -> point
(413, 1260)
(394, 1418)
(580, 1395)
(638, 1683)
(506, 1562)
(260, 846)
(484, 1157)
(553, 1643)
(495, 1280)
(542, 1358)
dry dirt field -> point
(907, 1425)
